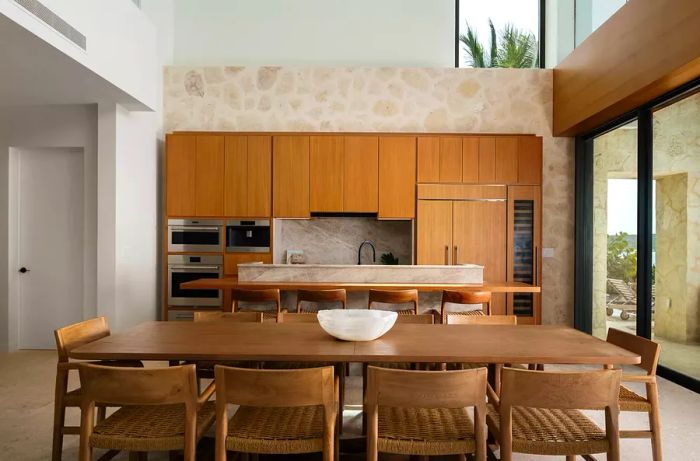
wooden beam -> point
(644, 50)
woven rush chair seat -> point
(149, 427)
(551, 431)
(631, 401)
(470, 312)
(425, 431)
(276, 430)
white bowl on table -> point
(356, 324)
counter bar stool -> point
(270, 296)
(630, 400)
(395, 297)
(538, 413)
(68, 338)
(161, 410)
(319, 296)
(465, 297)
(280, 412)
(424, 412)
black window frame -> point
(583, 265)
(541, 38)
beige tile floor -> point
(26, 403)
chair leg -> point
(654, 422)
(101, 414)
(570, 457)
(59, 418)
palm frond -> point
(494, 45)
(516, 48)
(474, 50)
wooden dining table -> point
(300, 342)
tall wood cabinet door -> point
(428, 159)
(450, 159)
(236, 176)
(290, 176)
(479, 236)
(326, 173)
(506, 160)
(209, 176)
(434, 239)
(487, 160)
(530, 160)
(259, 187)
(524, 250)
(180, 167)
(470, 160)
(361, 174)
(397, 177)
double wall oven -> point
(195, 235)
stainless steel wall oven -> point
(185, 268)
(193, 235)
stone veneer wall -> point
(394, 100)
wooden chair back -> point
(647, 349)
(255, 296)
(321, 296)
(482, 319)
(423, 319)
(294, 317)
(77, 334)
(465, 297)
(252, 317)
(394, 297)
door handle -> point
(455, 256)
(447, 255)
(24, 270)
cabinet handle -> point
(447, 255)
(455, 256)
(536, 265)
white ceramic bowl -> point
(356, 324)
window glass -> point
(516, 27)
(591, 14)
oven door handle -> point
(195, 228)
(193, 269)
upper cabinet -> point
(326, 160)
(248, 176)
(361, 174)
(530, 160)
(397, 177)
(290, 176)
(209, 180)
(180, 175)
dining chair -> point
(297, 317)
(67, 339)
(425, 412)
(396, 298)
(161, 410)
(269, 296)
(280, 411)
(317, 297)
(465, 297)
(538, 413)
(632, 401)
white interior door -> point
(50, 246)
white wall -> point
(50, 126)
(417, 33)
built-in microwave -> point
(194, 235)
(186, 268)
(250, 236)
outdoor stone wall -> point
(394, 100)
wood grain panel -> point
(236, 176)
(361, 174)
(326, 173)
(397, 178)
(506, 160)
(450, 159)
(434, 238)
(530, 160)
(290, 177)
(460, 192)
(428, 159)
(644, 50)
(259, 176)
(209, 176)
(487, 160)
(470, 160)
(479, 237)
(180, 166)
(232, 260)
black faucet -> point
(359, 252)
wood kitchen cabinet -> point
(434, 232)
(232, 260)
(180, 175)
(248, 176)
(209, 180)
(397, 177)
(290, 176)
(361, 174)
(439, 159)
(524, 250)
(326, 164)
(530, 160)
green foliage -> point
(512, 47)
(389, 259)
(622, 258)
